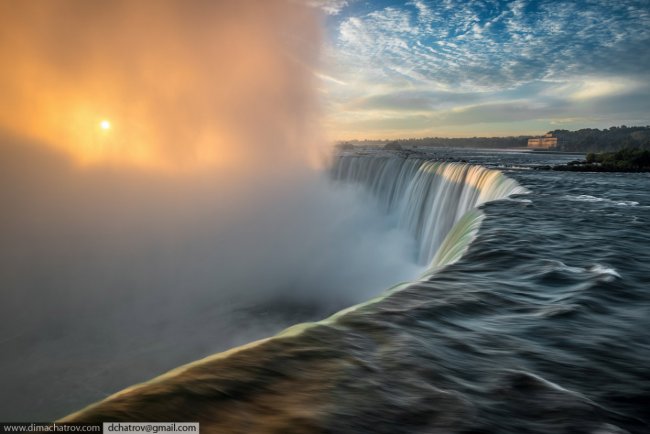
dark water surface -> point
(543, 326)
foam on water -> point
(590, 198)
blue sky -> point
(464, 68)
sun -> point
(105, 125)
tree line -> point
(606, 140)
(583, 140)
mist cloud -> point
(195, 224)
(182, 83)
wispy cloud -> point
(422, 55)
(330, 7)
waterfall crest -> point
(434, 201)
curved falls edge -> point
(437, 202)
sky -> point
(457, 68)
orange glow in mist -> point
(186, 84)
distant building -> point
(544, 142)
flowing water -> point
(429, 197)
(532, 317)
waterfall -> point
(434, 201)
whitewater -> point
(530, 316)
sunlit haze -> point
(186, 87)
(159, 188)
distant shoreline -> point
(626, 160)
(579, 141)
